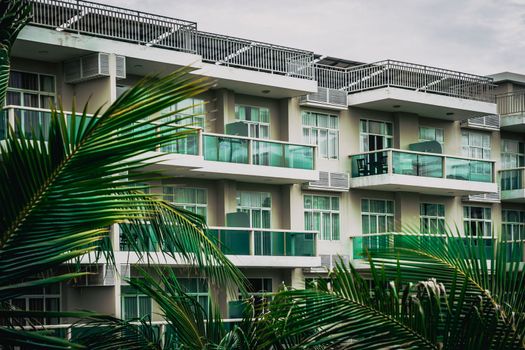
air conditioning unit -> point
(100, 276)
(91, 67)
(483, 198)
(329, 181)
(486, 122)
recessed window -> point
(191, 199)
(322, 130)
(475, 144)
(432, 218)
(257, 118)
(512, 154)
(375, 135)
(321, 214)
(477, 221)
(431, 134)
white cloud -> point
(477, 36)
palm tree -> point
(14, 14)
(420, 293)
(61, 191)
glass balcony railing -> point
(234, 149)
(391, 161)
(512, 179)
(214, 147)
(234, 241)
(265, 242)
(386, 241)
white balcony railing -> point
(408, 76)
(511, 103)
(84, 17)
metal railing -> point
(401, 162)
(112, 22)
(404, 75)
(511, 103)
(84, 17)
(237, 52)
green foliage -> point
(61, 191)
(451, 294)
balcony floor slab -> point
(425, 185)
(420, 103)
(513, 196)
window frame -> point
(432, 217)
(44, 297)
(251, 209)
(385, 136)
(470, 220)
(187, 206)
(466, 149)
(308, 132)
(442, 143)
(258, 124)
(519, 225)
(520, 157)
(38, 92)
(323, 236)
(385, 214)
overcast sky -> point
(476, 36)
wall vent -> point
(101, 275)
(486, 122)
(329, 181)
(483, 197)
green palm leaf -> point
(61, 191)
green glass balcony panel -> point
(299, 157)
(186, 144)
(300, 244)
(269, 243)
(515, 251)
(511, 179)
(236, 309)
(417, 164)
(225, 149)
(32, 123)
(282, 155)
(128, 232)
(369, 164)
(78, 122)
(233, 242)
(469, 170)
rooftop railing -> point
(408, 76)
(401, 162)
(84, 17)
(511, 103)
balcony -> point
(206, 155)
(427, 173)
(394, 86)
(379, 241)
(248, 247)
(511, 108)
(512, 185)
(160, 43)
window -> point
(257, 118)
(258, 206)
(432, 218)
(512, 154)
(193, 113)
(513, 225)
(40, 299)
(191, 199)
(477, 221)
(431, 134)
(375, 135)
(197, 288)
(30, 89)
(475, 144)
(321, 214)
(258, 290)
(134, 303)
(322, 130)
(377, 215)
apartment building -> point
(299, 157)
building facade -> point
(299, 158)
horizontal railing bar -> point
(422, 153)
(258, 139)
(260, 229)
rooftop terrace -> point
(89, 18)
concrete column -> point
(225, 109)
(297, 278)
(407, 211)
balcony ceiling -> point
(424, 185)
(424, 104)
(514, 123)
